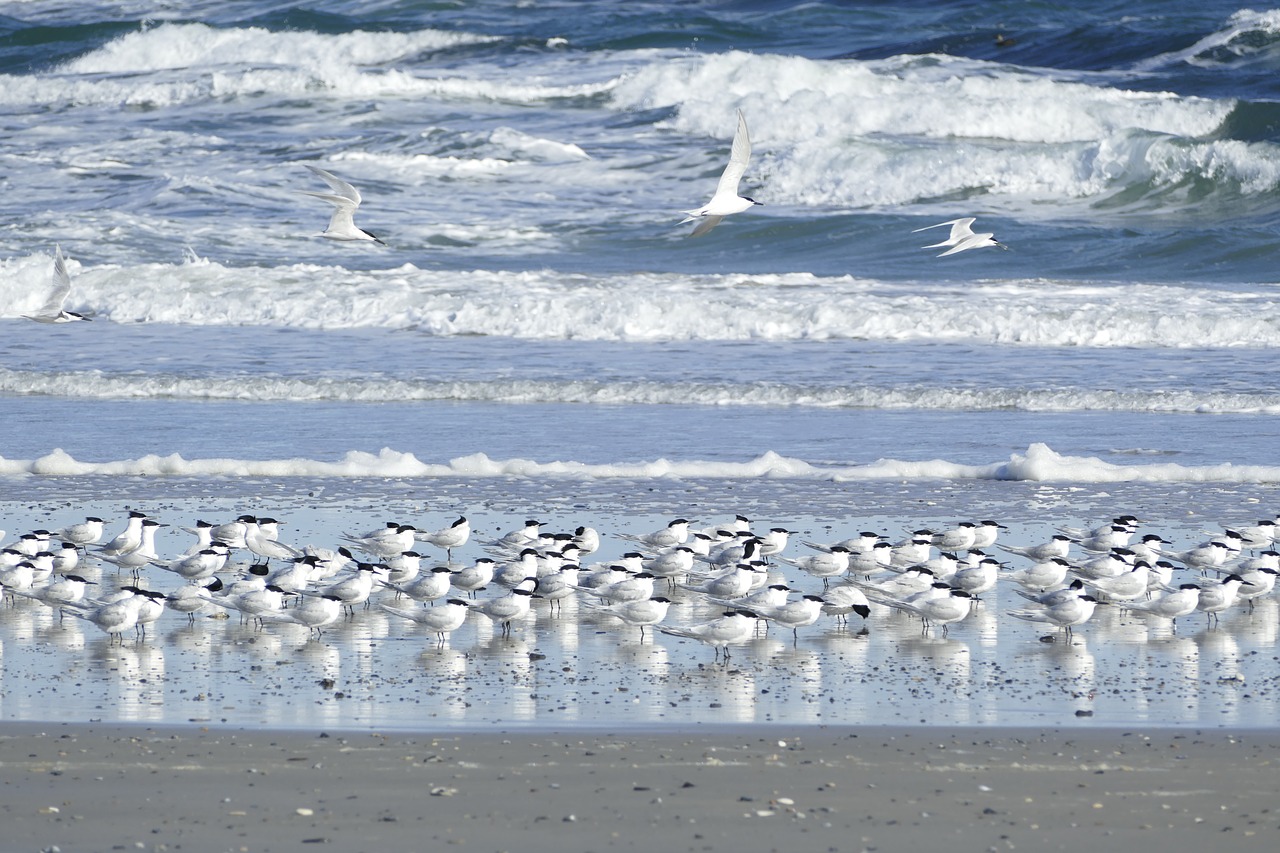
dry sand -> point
(104, 787)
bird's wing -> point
(342, 220)
(338, 201)
(61, 287)
(944, 243)
(61, 281)
(738, 157)
(707, 223)
(962, 224)
(971, 242)
(1030, 615)
(340, 187)
(962, 228)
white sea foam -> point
(939, 97)
(173, 64)
(906, 129)
(98, 385)
(552, 305)
(175, 46)
(1247, 35)
(1038, 464)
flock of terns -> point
(736, 580)
(346, 199)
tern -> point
(638, 614)
(843, 600)
(355, 589)
(673, 564)
(114, 618)
(587, 539)
(453, 536)
(52, 311)
(68, 590)
(1052, 597)
(128, 539)
(824, 564)
(1065, 615)
(675, 533)
(427, 588)
(253, 603)
(638, 587)
(517, 540)
(198, 566)
(505, 609)
(345, 199)
(1058, 546)
(385, 542)
(192, 598)
(259, 542)
(442, 621)
(793, 614)
(943, 608)
(735, 626)
(1215, 598)
(1124, 587)
(87, 532)
(962, 237)
(555, 588)
(474, 577)
(1042, 576)
(726, 199)
(1181, 602)
(315, 613)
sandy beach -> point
(112, 787)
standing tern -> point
(442, 621)
(1058, 546)
(128, 539)
(1215, 598)
(735, 626)
(87, 532)
(637, 614)
(843, 600)
(315, 613)
(505, 609)
(726, 199)
(1174, 605)
(432, 586)
(951, 605)
(1065, 615)
(453, 536)
(793, 614)
(675, 533)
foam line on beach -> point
(1039, 463)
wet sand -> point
(114, 787)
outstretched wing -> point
(969, 241)
(739, 155)
(341, 189)
(707, 223)
(61, 286)
(959, 227)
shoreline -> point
(136, 786)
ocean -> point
(541, 337)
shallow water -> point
(376, 670)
